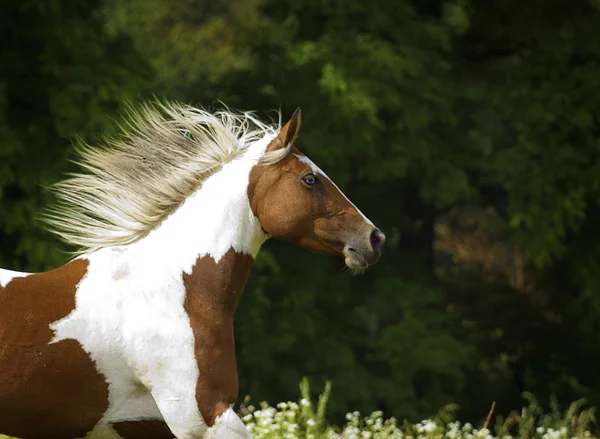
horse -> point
(133, 337)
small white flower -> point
(351, 430)
(429, 426)
(305, 402)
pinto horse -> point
(133, 338)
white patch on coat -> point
(7, 275)
(129, 314)
(228, 426)
(319, 171)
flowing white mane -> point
(132, 184)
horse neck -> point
(213, 237)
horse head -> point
(296, 201)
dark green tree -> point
(61, 76)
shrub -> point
(306, 420)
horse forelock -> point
(165, 152)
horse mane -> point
(129, 185)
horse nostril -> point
(377, 238)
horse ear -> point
(288, 132)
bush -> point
(305, 420)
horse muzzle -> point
(362, 252)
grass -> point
(306, 420)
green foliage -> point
(61, 77)
(299, 421)
(549, 168)
(190, 44)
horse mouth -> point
(354, 260)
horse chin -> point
(355, 262)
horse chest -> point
(139, 324)
(133, 332)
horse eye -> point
(310, 179)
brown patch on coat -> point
(144, 429)
(46, 390)
(212, 294)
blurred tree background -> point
(466, 129)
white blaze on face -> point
(319, 172)
(7, 275)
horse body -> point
(136, 340)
